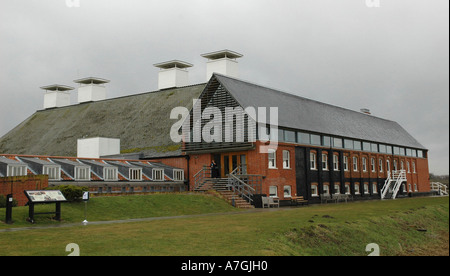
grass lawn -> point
(412, 226)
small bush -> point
(3, 202)
(71, 193)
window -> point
(336, 162)
(272, 159)
(136, 174)
(82, 173)
(366, 146)
(388, 165)
(380, 165)
(364, 164)
(326, 141)
(337, 142)
(315, 139)
(383, 149)
(366, 188)
(325, 162)
(289, 136)
(16, 170)
(374, 188)
(53, 173)
(345, 163)
(415, 188)
(357, 188)
(303, 138)
(402, 165)
(286, 159)
(326, 189)
(273, 191)
(347, 189)
(314, 190)
(178, 175)
(395, 165)
(158, 174)
(348, 144)
(357, 145)
(110, 174)
(374, 147)
(414, 167)
(372, 164)
(313, 163)
(337, 188)
(408, 167)
(410, 189)
(287, 191)
(355, 163)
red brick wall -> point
(20, 184)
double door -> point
(228, 162)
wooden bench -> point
(298, 200)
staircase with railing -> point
(239, 188)
(440, 188)
(392, 184)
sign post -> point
(85, 199)
(9, 205)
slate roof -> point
(308, 115)
(141, 122)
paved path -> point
(65, 225)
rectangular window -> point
(289, 136)
(315, 140)
(355, 163)
(408, 167)
(337, 143)
(325, 162)
(135, 174)
(348, 144)
(336, 162)
(287, 191)
(158, 174)
(312, 161)
(326, 189)
(272, 159)
(337, 188)
(314, 190)
(82, 173)
(178, 175)
(373, 164)
(357, 188)
(374, 188)
(380, 165)
(273, 191)
(286, 159)
(53, 173)
(374, 147)
(347, 189)
(383, 148)
(345, 163)
(303, 138)
(326, 141)
(414, 167)
(16, 170)
(110, 174)
(366, 146)
(366, 188)
(357, 145)
(364, 164)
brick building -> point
(321, 150)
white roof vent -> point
(91, 89)
(56, 95)
(97, 147)
(173, 74)
(223, 62)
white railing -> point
(396, 177)
(442, 189)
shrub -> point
(71, 193)
(3, 202)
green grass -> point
(330, 229)
(123, 207)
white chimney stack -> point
(56, 96)
(173, 74)
(91, 89)
(223, 62)
(97, 147)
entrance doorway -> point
(230, 161)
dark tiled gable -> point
(304, 114)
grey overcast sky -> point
(392, 59)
